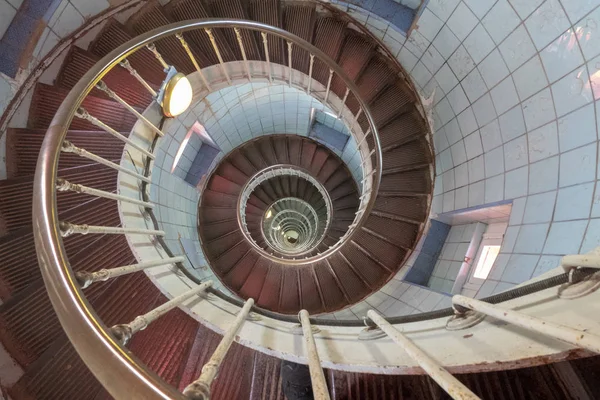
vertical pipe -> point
(289, 46)
(266, 47)
(317, 377)
(216, 48)
(343, 102)
(465, 268)
(328, 84)
(310, 71)
(200, 388)
(449, 383)
(566, 334)
(243, 50)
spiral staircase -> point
(361, 233)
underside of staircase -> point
(177, 346)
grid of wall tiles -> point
(451, 258)
(515, 118)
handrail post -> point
(344, 102)
(310, 72)
(68, 229)
(449, 383)
(62, 185)
(158, 56)
(200, 388)
(187, 49)
(289, 47)
(328, 85)
(566, 334)
(127, 65)
(238, 35)
(317, 377)
(124, 332)
(216, 48)
(266, 47)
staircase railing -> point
(102, 348)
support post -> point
(158, 56)
(67, 229)
(238, 35)
(343, 102)
(62, 185)
(200, 388)
(124, 332)
(289, 47)
(216, 48)
(187, 49)
(127, 65)
(449, 383)
(310, 71)
(266, 47)
(566, 334)
(317, 377)
(328, 85)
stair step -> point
(412, 153)
(47, 99)
(79, 61)
(356, 53)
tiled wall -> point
(427, 253)
(451, 258)
(515, 118)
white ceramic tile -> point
(479, 44)
(525, 7)
(453, 131)
(589, 39)
(461, 176)
(417, 44)
(546, 264)
(546, 175)
(578, 8)
(539, 208)
(446, 160)
(462, 21)
(473, 145)
(508, 244)
(440, 142)
(565, 237)
(577, 128)
(461, 198)
(578, 166)
(530, 78)
(459, 155)
(461, 62)
(448, 181)
(538, 109)
(432, 59)
(594, 71)
(420, 74)
(448, 204)
(515, 183)
(517, 48)
(546, 23)
(494, 189)
(515, 153)
(494, 162)
(500, 21)
(7, 13)
(484, 110)
(572, 91)
(446, 79)
(476, 193)
(493, 69)
(444, 111)
(574, 202)
(520, 267)
(592, 236)
(446, 42)
(442, 8)
(69, 20)
(407, 59)
(480, 7)
(543, 142)
(476, 169)
(490, 135)
(561, 56)
(429, 25)
(458, 100)
(504, 96)
(467, 122)
(596, 202)
(473, 85)
(517, 210)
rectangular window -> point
(486, 260)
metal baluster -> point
(216, 48)
(314, 364)
(449, 383)
(243, 50)
(125, 64)
(328, 84)
(289, 46)
(124, 332)
(358, 114)
(102, 86)
(83, 114)
(310, 71)
(343, 102)
(367, 157)
(363, 138)
(200, 388)
(68, 147)
(566, 334)
(86, 278)
(63, 185)
(187, 49)
(266, 47)
(158, 56)
(67, 229)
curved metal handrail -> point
(116, 368)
